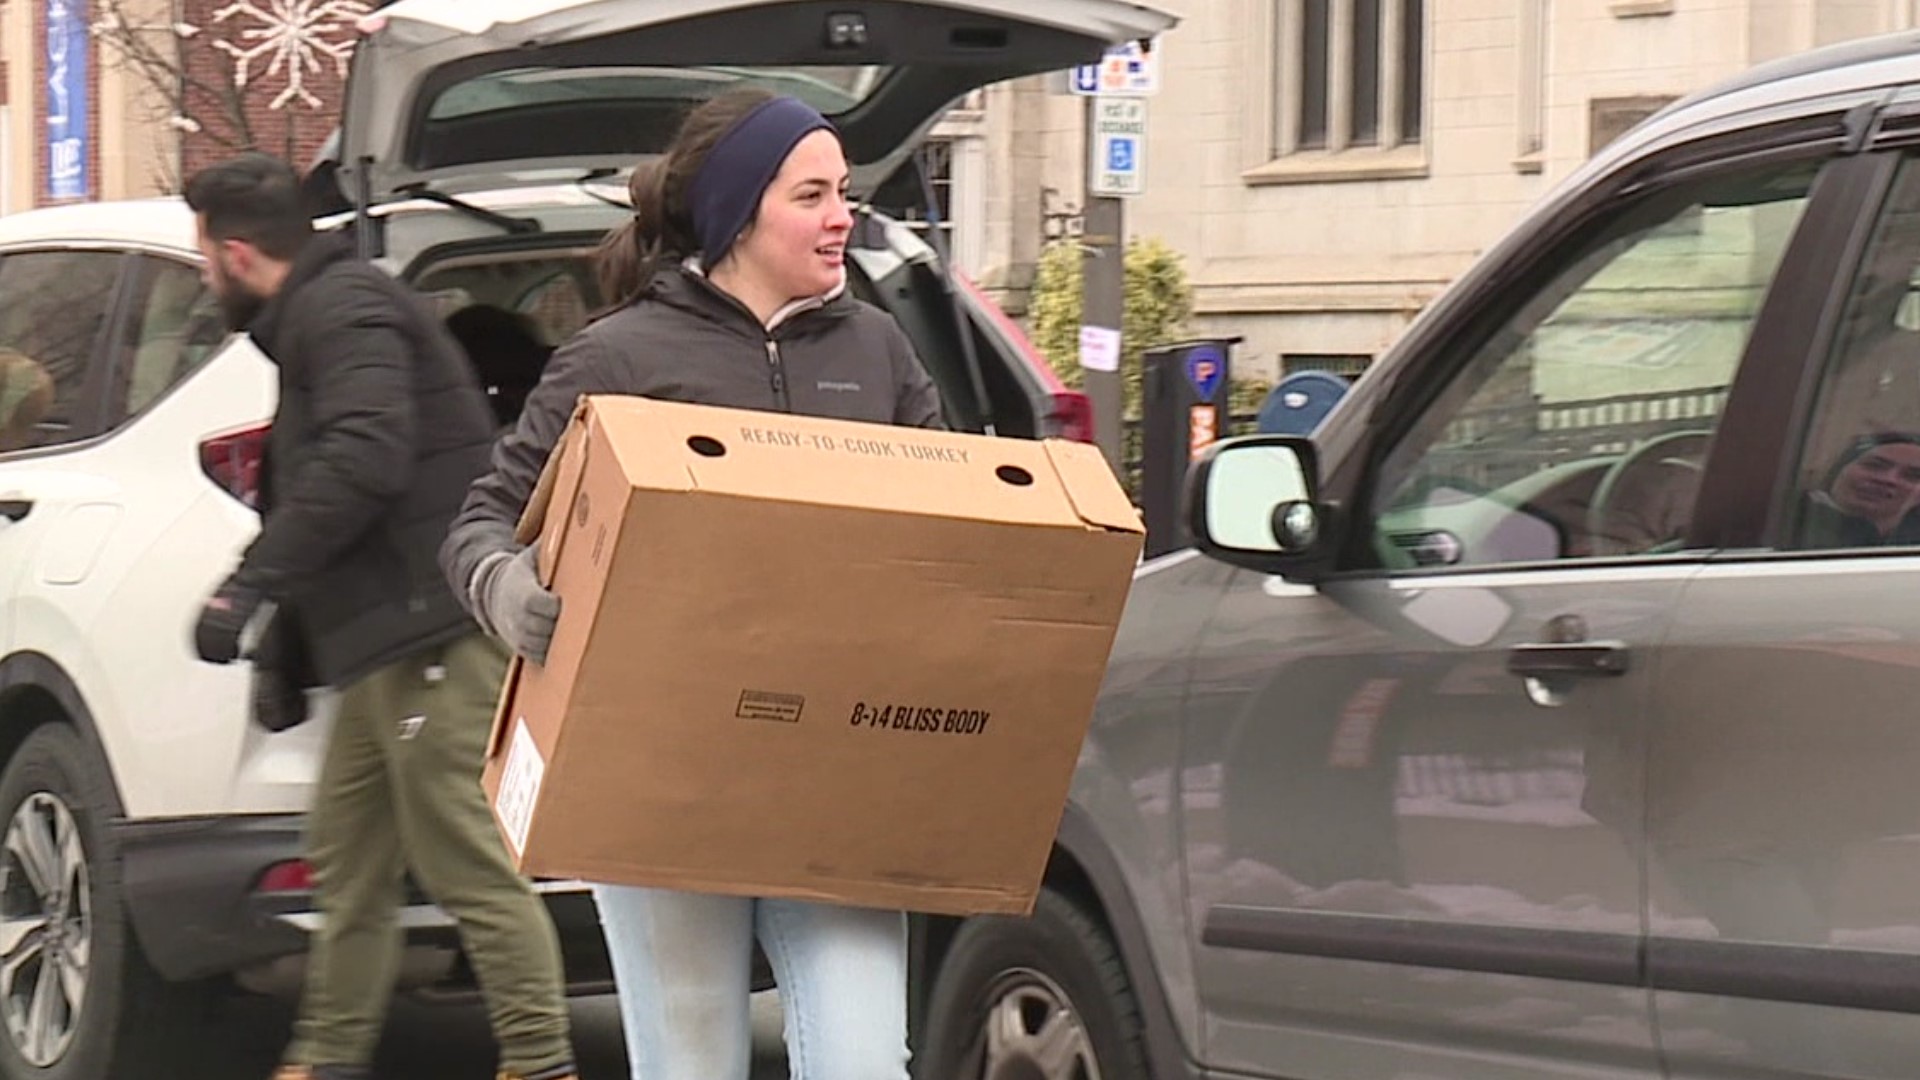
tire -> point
(1041, 998)
(56, 855)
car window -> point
(53, 306)
(1857, 484)
(1579, 427)
(558, 306)
(174, 327)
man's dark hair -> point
(254, 197)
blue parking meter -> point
(1298, 404)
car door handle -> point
(15, 509)
(1573, 658)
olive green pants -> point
(400, 790)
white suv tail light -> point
(232, 459)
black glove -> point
(510, 604)
(223, 621)
(278, 703)
(281, 672)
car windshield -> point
(832, 90)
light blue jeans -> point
(684, 964)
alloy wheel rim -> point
(1033, 1032)
(46, 929)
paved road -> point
(451, 1042)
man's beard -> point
(239, 305)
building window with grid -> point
(1352, 74)
(936, 157)
(954, 224)
(1346, 365)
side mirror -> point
(1251, 502)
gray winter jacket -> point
(688, 341)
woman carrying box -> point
(731, 288)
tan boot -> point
(293, 1072)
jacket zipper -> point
(777, 375)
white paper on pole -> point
(1099, 348)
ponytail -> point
(633, 252)
(623, 266)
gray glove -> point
(510, 603)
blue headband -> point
(726, 190)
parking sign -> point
(1119, 136)
(1205, 365)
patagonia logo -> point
(833, 387)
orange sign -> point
(1203, 427)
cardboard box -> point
(809, 658)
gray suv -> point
(1555, 710)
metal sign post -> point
(1116, 168)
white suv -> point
(152, 836)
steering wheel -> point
(1645, 500)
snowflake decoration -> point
(293, 38)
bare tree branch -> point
(169, 59)
(208, 85)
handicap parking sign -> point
(1116, 153)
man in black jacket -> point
(380, 427)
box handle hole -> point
(707, 447)
(1015, 475)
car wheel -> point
(1041, 998)
(76, 997)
